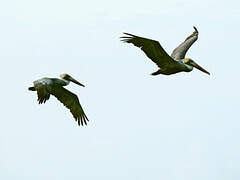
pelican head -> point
(190, 62)
(69, 78)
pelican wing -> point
(71, 101)
(42, 88)
(43, 94)
(180, 52)
(151, 48)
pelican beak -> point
(199, 67)
(75, 81)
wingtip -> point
(82, 120)
(129, 34)
(195, 29)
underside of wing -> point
(151, 48)
(180, 52)
(71, 101)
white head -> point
(69, 78)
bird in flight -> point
(54, 86)
(167, 64)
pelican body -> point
(54, 86)
(167, 64)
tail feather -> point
(31, 89)
(156, 73)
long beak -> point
(75, 81)
(199, 67)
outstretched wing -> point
(151, 48)
(71, 101)
(181, 50)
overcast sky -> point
(142, 127)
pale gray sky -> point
(184, 126)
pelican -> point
(54, 86)
(167, 64)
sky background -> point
(184, 126)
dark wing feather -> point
(43, 94)
(151, 48)
(71, 101)
(180, 52)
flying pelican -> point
(167, 64)
(54, 86)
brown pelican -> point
(167, 64)
(54, 86)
